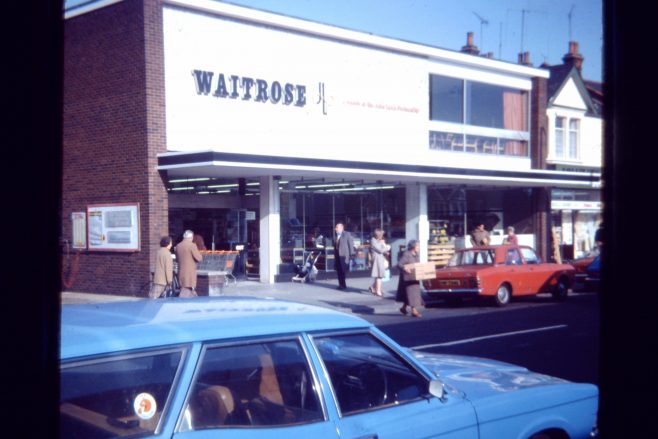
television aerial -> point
(483, 22)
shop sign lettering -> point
(246, 88)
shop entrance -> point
(220, 229)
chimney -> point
(574, 58)
(524, 59)
(470, 47)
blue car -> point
(213, 367)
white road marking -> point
(471, 340)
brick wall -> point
(541, 204)
(113, 73)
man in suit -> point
(187, 255)
(343, 252)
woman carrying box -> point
(409, 288)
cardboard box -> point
(422, 270)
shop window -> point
(495, 107)
(309, 212)
(447, 99)
(444, 141)
(478, 104)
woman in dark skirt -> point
(408, 289)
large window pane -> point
(256, 384)
(573, 138)
(365, 374)
(309, 212)
(447, 99)
(559, 136)
(117, 396)
(496, 107)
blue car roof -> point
(94, 329)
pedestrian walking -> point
(187, 255)
(480, 236)
(409, 289)
(163, 274)
(380, 251)
(343, 253)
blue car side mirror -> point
(436, 389)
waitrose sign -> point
(236, 86)
(247, 89)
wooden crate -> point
(422, 270)
(440, 254)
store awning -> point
(226, 165)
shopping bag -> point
(168, 292)
(387, 275)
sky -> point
(503, 27)
(496, 24)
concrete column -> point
(417, 224)
(270, 229)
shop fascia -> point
(234, 87)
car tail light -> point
(474, 282)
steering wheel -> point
(365, 385)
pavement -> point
(356, 299)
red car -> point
(499, 272)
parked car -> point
(257, 368)
(588, 272)
(499, 272)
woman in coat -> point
(379, 250)
(411, 287)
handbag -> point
(168, 292)
(171, 290)
(387, 275)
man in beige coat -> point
(163, 275)
(187, 255)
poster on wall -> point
(113, 227)
(79, 228)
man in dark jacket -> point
(343, 252)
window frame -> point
(516, 260)
(140, 353)
(250, 341)
(560, 135)
(413, 366)
(527, 250)
(573, 144)
(566, 137)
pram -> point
(307, 272)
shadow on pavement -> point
(359, 309)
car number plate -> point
(449, 283)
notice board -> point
(113, 227)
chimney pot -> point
(470, 47)
(574, 58)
